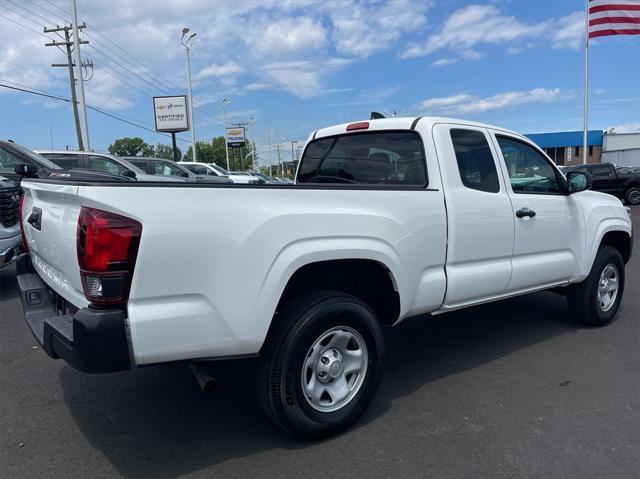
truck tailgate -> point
(50, 216)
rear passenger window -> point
(475, 161)
(391, 158)
(65, 161)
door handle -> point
(522, 212)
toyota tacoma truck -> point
(388, 219)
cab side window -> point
(102, 163)
(64, 161)
(529, 171)
(475, 161)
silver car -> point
(90, 160)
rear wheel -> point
(321, 365)
(595, 301)
(632, 195)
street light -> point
(187, 42)
(252, 118)
(293, 158)
(224, 103)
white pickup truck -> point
(388, 219)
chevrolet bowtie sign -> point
(170, 113)
(235, 137)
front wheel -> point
(632, 195)
(321, 364)
(595, 301)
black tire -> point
(582, 297)
(298, 327)
(632, 195)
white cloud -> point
(475, 25)
(462, 103)
(219, 70)
(285, 37)
(256, 86)
(362, 28)
(441, 62)
(627, 128)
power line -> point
(35, 70)
(36, 14)
(213, 109)
(35, 91)
(24, 26)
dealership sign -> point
(170, 113)
(235, 136)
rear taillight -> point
(25, 245)
(107, 246)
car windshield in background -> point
(219, 169)
(41, 160)
(371, 158)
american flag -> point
(614, 17)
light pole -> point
(224, 103)
(187, 42)
(252, 143)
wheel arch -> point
(611, 232)
(371, 274)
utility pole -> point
(293, 159)
(270, 163)
(187, 42)
(70, 64)
(277, 147)
(84, 125)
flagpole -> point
(586, 83)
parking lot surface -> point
(509, 389)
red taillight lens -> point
(25, 245)
(107, 246)
(363, 125)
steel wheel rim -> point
(608, 286)
(334, 369)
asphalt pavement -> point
(509, 389)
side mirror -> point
(578, 181)
(28, 171)
(129, 174)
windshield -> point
(41, 160)
(219, 169)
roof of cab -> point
(404, 123)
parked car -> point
(12, 154)
(101, 162)
(9, 228)
(164, 167)
(389, 219)
(212, 169)
(267, 179)
(623, 182)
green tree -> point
(214, 152)
(131, 147)
(166, 151)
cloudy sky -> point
(298, 65)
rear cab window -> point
(377, 158)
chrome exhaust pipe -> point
(206, 381)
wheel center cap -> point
(330, 365)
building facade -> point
(622, 149)
(565, 148)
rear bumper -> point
(89, 339)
